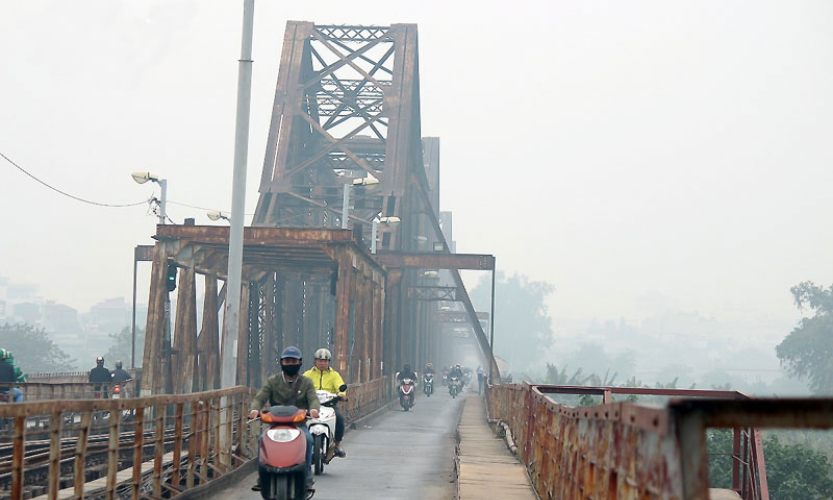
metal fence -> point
(40, 391)
(128, 448)
(621, 450)
(368, 397)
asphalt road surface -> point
(395, 455)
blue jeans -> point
(18, 396)
(305, 430)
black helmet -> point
(406, 368)
(99, 361)
(118, 364)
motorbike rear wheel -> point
(319, 452)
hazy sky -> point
(636, 155)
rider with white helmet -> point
(325, 378)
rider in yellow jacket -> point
(324, 378)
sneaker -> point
(339, 452)
(256, 487)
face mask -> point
(291, 370)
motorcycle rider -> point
(19, 377)
(7, 378)
(102, 376)
(429, 368)
(119, 375)
(324, 378)
(408, 373)
(289, 388)
(456, 371)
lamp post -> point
(368, 182)
(143, 177)
(381, 220)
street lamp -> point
(143, 177)
(390, 221)
(215, 216)
(367, 182)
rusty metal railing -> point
(153, 447)
(368, 397)
(624, 450)
(40, 391)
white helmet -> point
(323, 354)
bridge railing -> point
(367, 397)
(40, 391)
(617, 450)
(153, 447)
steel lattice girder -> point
(433, 293)
(346, 107)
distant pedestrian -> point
(481, 379)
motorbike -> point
(119, 393)
(406, 393)
(428, 384)
(282, 465)
(323, 428)
(455, 385)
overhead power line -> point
(76, 198)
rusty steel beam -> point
(185, 336)
(436, 261)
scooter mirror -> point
(342, 388)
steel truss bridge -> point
(347, 110)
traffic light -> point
(171, 278)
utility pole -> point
(238, 199)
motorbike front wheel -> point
(277, 488)
(319, 453)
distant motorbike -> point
(455, 385)
(323, 428)
(282, 465)
(428, 384)
(406, 394)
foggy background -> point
(664, 165)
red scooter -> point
(282, 464)
(406, 394)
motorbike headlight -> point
(282, 435)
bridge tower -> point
(346, 109)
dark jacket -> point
(7, 376)
(120, 376)
(403, 375)
(100, 374)
(277, 391)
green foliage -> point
(121, 347)
(525, 328)
(33, 350)
(807, 352)
(793, 471)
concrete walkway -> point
(487, 468)
(395, 456)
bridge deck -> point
(487, 468)
(396, 456)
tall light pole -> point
(238, 199)
(368, 182)
(143, 177)
(382, 220)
